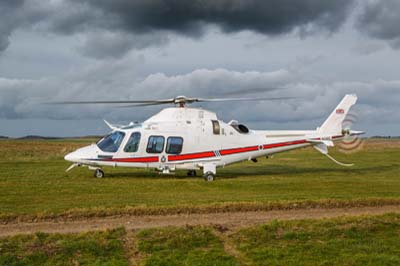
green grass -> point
(183, 246)
(368, 240)
(94, 248)
(32, 180)
(351, 241)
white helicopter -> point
(192, 138)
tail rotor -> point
(352, 142)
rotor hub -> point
(183, 100)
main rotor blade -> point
(116, 102)
(142, 104)
(178, 100)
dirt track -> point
(230, 220)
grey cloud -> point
(367, 48)
(21, 98)
(211, 83)
(106, 44)
(24, 98)
(380, 19)
(114, 81)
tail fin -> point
(333, 125)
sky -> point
(314, 51)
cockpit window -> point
(133, 143)
(111, 142)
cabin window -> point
(216, 127)
(111, 142)
(174, 145)
(133, 143)
(155, 144)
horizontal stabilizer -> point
(356, 133)
(328, 143)
(322, 148)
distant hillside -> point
(3, 137)
(36, 137)
(385, 137)
(86, 137)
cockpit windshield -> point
(111, 142)
(133, 143)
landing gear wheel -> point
(98, 173)
(209, 177)
(191, 173)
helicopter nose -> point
(70, 157)
(81, 154)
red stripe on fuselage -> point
(238, 150)
(282, 144)
(191, 156)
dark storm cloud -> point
(188, 17)
(137, 24)
(380, 19)
(8, 22)
(15, 14)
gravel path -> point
(229, 220)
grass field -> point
(360, 241)
(93, 248)
(182, 246)
(369, 240)
(33, 181)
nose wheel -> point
(98, 173)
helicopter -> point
(194, 139)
